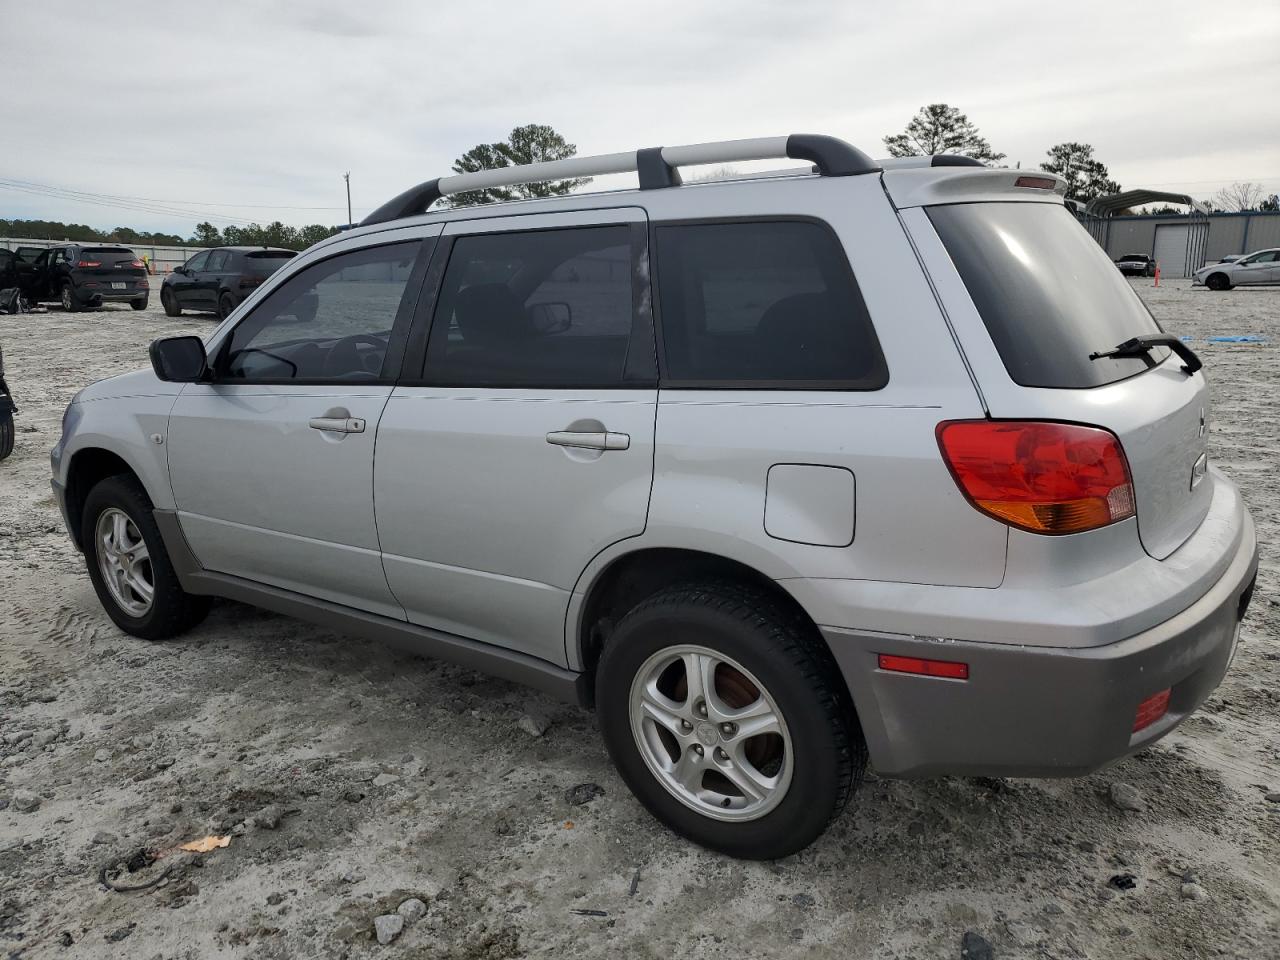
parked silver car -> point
(1260, 267)
(777, 473)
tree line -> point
(275, 234)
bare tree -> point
(1240, 196)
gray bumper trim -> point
(520, 668)
(1040, 711)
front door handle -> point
(589, 440)
(338, 424)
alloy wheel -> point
(711, 733)
(124, 562)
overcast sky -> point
(246, 109)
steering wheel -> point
(345, 357)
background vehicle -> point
(80, 276)
(1255, 268)
(778, 473)
(217, 280)
(9, 273)
(7, 409)
(1137, 265)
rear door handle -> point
(338, 424)
(589, 441)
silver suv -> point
(783, 473)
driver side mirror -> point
(179, 359)
(551, 318)
(181, 269)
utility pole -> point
(347, 177)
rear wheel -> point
(170, 303)
(129, 566)
(727, 718)
(139, 304)
(1218, 281)
(6, 433)
(68, 296)
(225, 305)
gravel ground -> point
(351, 778)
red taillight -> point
(89, 263)
(1037, 183)
(1042, 477)
(137, 263)
(1151, 709)
(950, 669)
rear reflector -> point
(1151, 709)
(1043, 477)
(925, 668)
(88, 263)
(1038, 183)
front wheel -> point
(129, 566)
(170, 303)
(6, 433)
(1218, 281)
(727, 718)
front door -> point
(272, 462)
(526, 445)
(209, 280)
(184, 284)
(1259, 268)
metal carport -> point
(1178, 247)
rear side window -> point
(547, 308)
(768, 304)
(1047, 292)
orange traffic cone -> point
(1157, 274)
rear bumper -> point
(1036, 710)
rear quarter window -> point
(762, 304)
(1048, 294)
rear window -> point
(763, 304)
(107, 254)
(1046, 291)
(267, 262)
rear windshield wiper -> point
(1143, 345)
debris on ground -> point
(1123, 881)
(1126, 797)
(583, 793)
(387, 927)
(205, 844)
(412, 910)
(534, 724)
(974, 946)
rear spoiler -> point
(920, 186)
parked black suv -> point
(218, 279)
(82, 276)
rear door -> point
(1032, 295)
(524, 445)
(209, 279)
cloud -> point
(248, 104)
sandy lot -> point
(352, 778)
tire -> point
(171, 610)
(6, 434)
(68, 298)
(170, 303)
(815, 760)
(139, 304)
(1217, 281)
(225, 305)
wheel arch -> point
(637, 574)
(87, 468)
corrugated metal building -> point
(1229, 233)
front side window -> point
(196, 263)
(1267, 256)
(763, 304)
(332, 321)
(549, 308)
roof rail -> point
(656, 166)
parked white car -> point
(1260, 267)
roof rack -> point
(935, 160)
(657, 167)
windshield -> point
(1047, 292)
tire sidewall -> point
(811, 797)
(170, 303)
(6, 433)
(225, 306)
